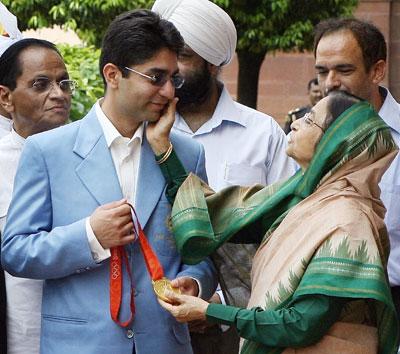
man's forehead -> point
(164, 60)
(341, 42)
(337, 57)
(36, 58)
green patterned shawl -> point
(202, 220)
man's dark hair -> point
(313, 81)
(338, 102)
(135, 37)
(369, 38)
(10, 65)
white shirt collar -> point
(5, 123)
(390, 111)
(17, 139)
(110, 132)
(226, 110)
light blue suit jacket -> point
(63, 176)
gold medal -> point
(161, 285)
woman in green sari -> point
(319, 282)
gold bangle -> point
(166, 154)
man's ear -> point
(6, 99)
(112, 75)
(378, 71)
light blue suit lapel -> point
(96, 171)
(150, 185)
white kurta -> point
(5, 126)
(242, 146)
(24, 296)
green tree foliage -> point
(89, 18)
(263, 25)
(82, 65)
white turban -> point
(204, 26)
(9, 23)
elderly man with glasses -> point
(90, 215)
(35, 91)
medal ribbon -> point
(153, 265)
(119, 258)
(118, 255)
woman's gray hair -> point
(338, 102)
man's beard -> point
(196, 90)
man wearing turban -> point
(242, 146)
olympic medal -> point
(161, 285)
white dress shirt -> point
(24, 296)
(125, 153)
(242, 146)
(390, 189)
(5, 126)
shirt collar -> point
(110, 132)
(226, 110)
(17, 139)
(5, 123)
(390, 111)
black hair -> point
(136, 36)
(10, 65)
(313, 81)
(369, 38)
(338, 102)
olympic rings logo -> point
(115, 270)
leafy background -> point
(82, 65)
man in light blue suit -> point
(70, 204)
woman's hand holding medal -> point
(182, 285)
(183, 307)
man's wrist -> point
(99, 253)
(216, 298)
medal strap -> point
(153, 265)
(119, 258)
(118, 255)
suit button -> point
(129, 333)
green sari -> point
(357, 144)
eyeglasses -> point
(43, 84)
(307, 119)
(160, 79)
